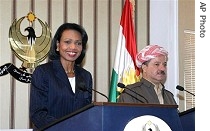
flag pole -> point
(133, 18)
(133, 8)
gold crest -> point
(31, 49)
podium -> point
(106, 116)
(187, 119)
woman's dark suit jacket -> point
(51, 94)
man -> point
(152, 62)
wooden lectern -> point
(106, 116)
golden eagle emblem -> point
(31, 49)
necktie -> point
(159, 94)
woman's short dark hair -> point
(54, 55)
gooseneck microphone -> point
(182, 89)
(83, 88)
(121, 85)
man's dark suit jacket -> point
(147, 94)
(51, 94)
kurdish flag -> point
(124, 70)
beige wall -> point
(186, 22)
(100, 18)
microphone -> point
(121, 85)
(83, 88)
(182, 89)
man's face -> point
(156, 70)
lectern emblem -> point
(31, 49)
(150, 126)
(147, 123)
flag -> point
(124, 69)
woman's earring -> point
(57, 45)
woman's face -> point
(70, 45)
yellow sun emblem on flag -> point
(128, 77)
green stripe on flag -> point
(113, 88)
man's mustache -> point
(162, 72)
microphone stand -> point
(121, 85)
(101, 94)
(189, 92)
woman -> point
(56, 85)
